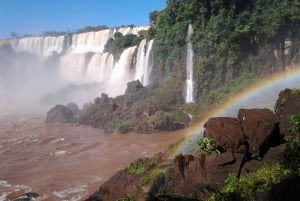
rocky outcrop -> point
(258, 126)
(243, 145)
(59, 114)
(226, 131)
(288, 103)
(118, 186)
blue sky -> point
(37, 16)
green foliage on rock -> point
(142, 165)
(231, 39)
(169, 120)
(127, 198)
(248, 188)
(206, 145)
(295, 123)
(120, 42)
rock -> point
(74, 108)
(287, 190)
(59, 114)
(226, 131)
(118, 186)
(198, 177)
(287, 103)
(250, 166)
(133, 87)
(275, 154)
(27, 197)
(259, 125)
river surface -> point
(63, 161)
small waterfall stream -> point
(189, 95)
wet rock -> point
(226, 131)
(259, 125)
(27, 197)
(118, 186)
(133, 87)
(74, 108)
(287, 190)
(287, 103)
(275, 154)
(198, 177)
(59, 114)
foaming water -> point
(66, 162)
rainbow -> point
(262, 94)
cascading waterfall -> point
(42, 46)
(144, 62)
(80, 59)
(189, 96)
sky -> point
(37, 16)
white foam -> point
(74, 190)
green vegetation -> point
(120, 42)
(142, 165)
(231, 40)
(283, 101)
(295, 92)
(153, 175)
(247, 188)
(206, 145)
(294, 120)
(127, 198)
(91, 28)
(172, 148)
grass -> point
(142, 165)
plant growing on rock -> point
(207, 145)
(295, 123)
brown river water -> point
(63, 161)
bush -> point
(294, 120)
(127, 198)
(142, 165)
(207, 145)
(248, 188)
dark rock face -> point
(226, 131)
(133, 87)
(59, 114)
(27, 197)
(74, 108)
(254, 135)
(258, 126)
(287, 190)
(118, 186)
(288, 103)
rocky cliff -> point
(254, 141)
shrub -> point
(295, 123)
(127, 198)
(207, 145)
(142, 165)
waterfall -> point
(41, 46)
(100, 67)
(144, 62)
(120, 74)
(189, 96)
(81, 60)
(148, 64)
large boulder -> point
(59, 114)
(118, 186)
(287, 103)
(259, 125)
(133, 87)
(226, 131)
(197, 177)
